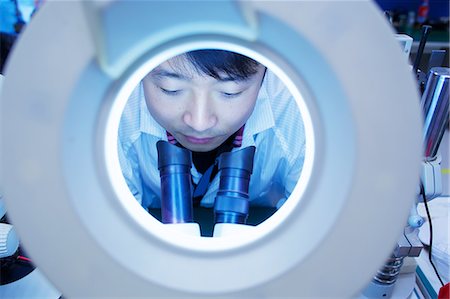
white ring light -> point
(54, 129)
(116, 177)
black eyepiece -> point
(174, 164)
(232, 201)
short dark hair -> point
(216, 63)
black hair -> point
(217, 63)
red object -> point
(422, 13)
(22, 258)
(444, 292)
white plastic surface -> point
(2, 207)
(9, 242)
(54, 153)
(406, 42)
(439, 211)
(34, 285)
(192, 229)
(232, 230)
(431, 178)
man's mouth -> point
(196, 140)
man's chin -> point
(200, 148)
(201, 145)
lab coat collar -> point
(260, 120)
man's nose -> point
(200, 116)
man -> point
(210, 102)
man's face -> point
(200, 111)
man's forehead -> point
(175, 65)
(168, 72)
(186, 72)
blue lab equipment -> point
(174, 164)
(232, 201)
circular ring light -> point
(111, 136)
(60, 161)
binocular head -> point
(232, 200)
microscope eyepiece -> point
(232, 201)
(174, 164)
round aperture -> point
(182, 124)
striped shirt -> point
(275, 128)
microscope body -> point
(231, 205)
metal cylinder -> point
(423, 40)
(174, 164)
(232, 200)
(389, 272)
(435, 105)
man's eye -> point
(231, 94)
(170, 92)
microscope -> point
(231, 205)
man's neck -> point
(203, 160)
